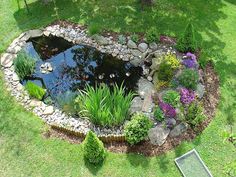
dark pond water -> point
(74, 66)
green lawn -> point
(23, 150)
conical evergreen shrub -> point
(94, 151)
(187, 42)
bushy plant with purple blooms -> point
(191, 61)
(186, 96)
(167, 109)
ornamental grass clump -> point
(24, 65)
(187, 96)
(137, 128)
(189, 78)
(94, 151)
(187, 42)
(104, 106)
(34, 90)
(159, 115)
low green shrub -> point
(66, 102)
(34, 90)
(159, 115)
(172, 97)
(24, 65)
(166, 70)
(137, 128)
(152, 35)
(189, 78)
(121, 39)
(103, 106)
(134, 37)
(187, 42)
(94, 151)
(172, 60)
(194, 114)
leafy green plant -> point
(137, 129)
(159, 115)
(94, 151)
(189, 78)
(187, 42)
(194, 114)
(122, 39)
(34, 90)
(24, 65)
(152, 35)
(134, 37)
(103, 106)
(94, 29)
(172, 97)
(66, 102)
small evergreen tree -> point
(187, 42)
(94, 150)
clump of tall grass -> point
(24, 65)
(34, 90)
(104, 106)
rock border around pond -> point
(132, 52)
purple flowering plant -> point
(191, 61)
(167, 109)
(186, 96)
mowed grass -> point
(23, 149)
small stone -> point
(149, 78)
(35, 103)
(35, 33)
(158, 135)
(131, 44)
(136, 53)
(100, 39)
(170, 122)
(15, 77)
(179, 129)
(48, 110)
(46, 33)
(7, 60)
(142, 47)
(136, 61)
(153, 46)
(14, 49)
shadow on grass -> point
(142, 160)
(92, 167)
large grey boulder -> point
(148, 104)
(136, 105)
(131, 44)
(200, 90)
(179, 129)
(158, 135)
(142, 47)
(153, 46)
(145, 87)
